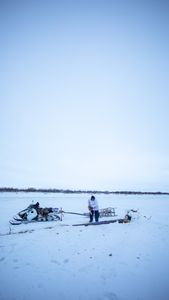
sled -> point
(107, 212)
(104, 212)
(96, 223)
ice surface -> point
(54, 260)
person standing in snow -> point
(93, 208)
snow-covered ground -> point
(55, 260)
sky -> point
(84, 96)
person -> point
(30, 213)
(127, 217)
(35, 206)
(93, 208)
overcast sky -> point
(84, 97)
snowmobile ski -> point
(17, 218)
(14, 222)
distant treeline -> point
(68, 191)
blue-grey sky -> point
(84, 98)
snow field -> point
(56, 260)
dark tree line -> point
(69, 191)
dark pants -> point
(94, 213)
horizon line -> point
(56, 190)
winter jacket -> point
(93, 205)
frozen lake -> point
(58, 260)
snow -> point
(55, 260)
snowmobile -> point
(35, 213)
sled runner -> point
(96, 223)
